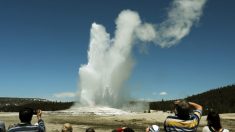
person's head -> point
(67, 127)
(128, 130)
(26, 115)
(124, 129)
(90, 130)
(153, 128)
(213, 120)
(182, 109)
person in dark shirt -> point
(25, 116)
(213, 123)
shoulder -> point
(205, 129)
(197, 113)
(225, 130)
(19, 127)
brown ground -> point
(137, 121)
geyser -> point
(110, 60)
(110, 63)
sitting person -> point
(90, 130)
(2, 126)
(67, 127)
(25, 116)
(184, 120)
(123, 129)
(213, 123)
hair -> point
(90, 130)
(213, 120)
(67, 128)
(128, 130)
(26, 115)
(183, 110)
(125, 129)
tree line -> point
(221, 99)
(15, 104)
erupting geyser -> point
(110, 61)
(109, 64)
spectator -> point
(67, 128)
(90, 130)
(2, 126)
(184, 119)
(25, 116)
(213, 123)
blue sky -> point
(43, 43)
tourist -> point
(25, 116)
(2, 126)
(67, 127)
(153, 128)
(213, 123)
(90, 130)
(184, 119)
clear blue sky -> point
(43, 43)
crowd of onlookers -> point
(184, 120)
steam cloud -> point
(109, 59)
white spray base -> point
(95, 110)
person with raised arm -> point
(25, 116)
(184, 119)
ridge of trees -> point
(15, 104)
(221, 99)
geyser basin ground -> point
(97, 110)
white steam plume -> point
(181, 17)
(109, 60)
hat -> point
(154, 128)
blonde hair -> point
(67, 128)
